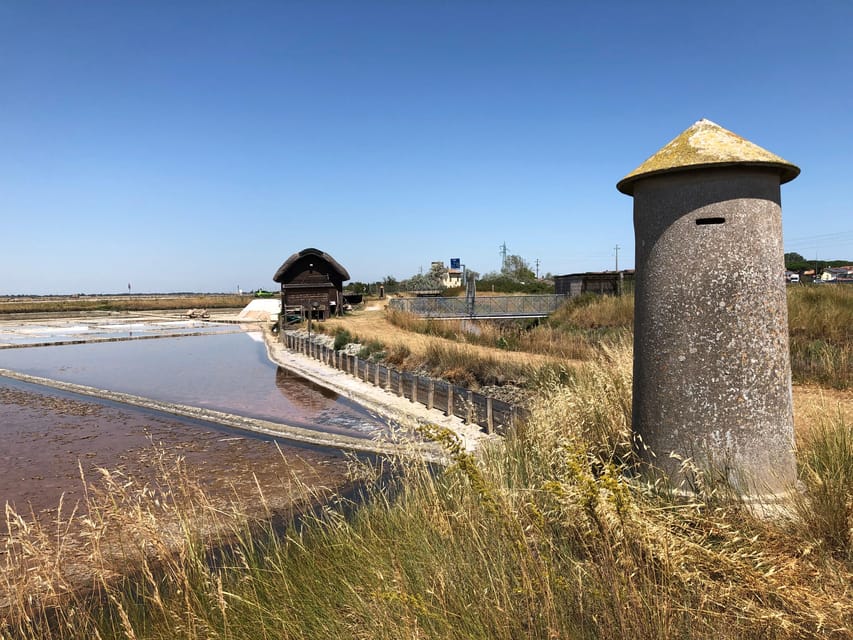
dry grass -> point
(450, 355)
(820, 319)
(153, 533)
(590, 311)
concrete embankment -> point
(387, 405)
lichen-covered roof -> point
(707, 144)
(284, 268)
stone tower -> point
(712, 374)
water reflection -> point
(301, 391)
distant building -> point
(604, 282)
(450, 277)
(312, 280)
(453, 278)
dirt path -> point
(814, 404)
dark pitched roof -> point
(284, 268)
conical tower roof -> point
(706, 144)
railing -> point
(527, 306)
(490, 414)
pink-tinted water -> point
(44, 434)
(230, 373)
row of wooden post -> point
(349, 364)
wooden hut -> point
(313, 281)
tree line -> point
(515, 276)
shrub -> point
(398, 354)
(373, 350)
(342, 338)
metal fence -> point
(526, 306)
(490, 414)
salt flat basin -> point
(62, 330)
(229, 373)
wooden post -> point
(376, 375)
(388, 378)
(490, 425)
(414, 388)
(431, 394)
(401, 393)
(470, 413)
(450, 400)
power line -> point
(834, 234)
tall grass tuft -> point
(826, 469)
(591, 311)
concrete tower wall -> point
(712, 376)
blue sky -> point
(194, 146)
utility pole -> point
(617, 258)
(537, 268)
(503, 256)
